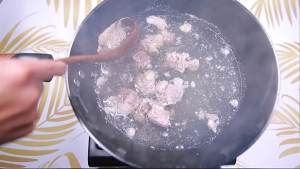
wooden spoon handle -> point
(100, 57)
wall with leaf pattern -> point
(59, 141)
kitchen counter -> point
(59, 141)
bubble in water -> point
(101, 81)
(105, 69)
(178, 40)
(196, 35)
(225, 50)
(97, 91)
(167, 74)
(209, 58)
(165, 134)
(76, 82)
(193, 84)
(234, 103)
(130, 132)
(94, 74)
(81, 74)
(179, 147)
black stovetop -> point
(97, 157)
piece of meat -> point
(159, 116)
(193, 65)
(169, 93)
(168, 37)
(142, 59)
(142, 111)
(181, 62)
(145, 82)
(112, 36)
(186, 27)
(157, 21)
(124, 103)
(152, 43)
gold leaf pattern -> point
(290, 151)
(289, 132)
(274, 10)
(289, 60)
(67, 11)
(288, 116)
(10, 165)
(37, 143)
(49, 136)
(71, 158)
(290, 141)
(56, 128)
(60, 119)
(26, 152)
(31, 38)
(6, 38)
(72, 10)
(74, 163)
(88, 7)
(15, 159)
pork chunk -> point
(169, 93)
(159, 116)
(142, 110)
(112, 36)
(142, 59)
(157, 21)
(145, 82)
(124, 103)
(152, 43)
(181, 62)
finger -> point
(18, 132)
(6, 56)
(24, 100)
(44, 69)
(21, 119)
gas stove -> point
(97, 157)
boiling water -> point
(216, 87)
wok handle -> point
(28, 55)
(6, 55)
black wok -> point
(252, 49)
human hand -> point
(20, 89)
